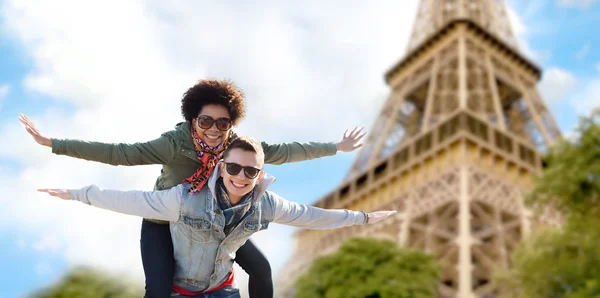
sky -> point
(114, 71)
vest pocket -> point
(200, 229)
(255, 227)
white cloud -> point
(584, 98)
(4, 90)
(576, 3)
(521, 32)
(124, 65)
(516, 24)
(583, 52)
(21, 244)
(556, 85)
(571, 136)
(48, 243)
(589, 98)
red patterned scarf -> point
(208, 157)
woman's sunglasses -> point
(234, 169)
(206, 122)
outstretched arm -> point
(293, 152)
(158, 151)
(162, 204)
(310, 217)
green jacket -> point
(175, 151)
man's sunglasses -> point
(206, 122)
(234, 169)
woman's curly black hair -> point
(215, 92)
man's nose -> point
(241, 174)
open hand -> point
(64, 194)
(351, 140)
(34, 132)
(378, 216)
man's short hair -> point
(216, 92)
(246, 144)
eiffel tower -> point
(453, 150)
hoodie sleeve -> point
(162, 204)
(309, 217)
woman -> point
(189, 154)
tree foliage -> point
(571, 180)
(564, 262)
(90, 283)
(557, 263)
(365, 267)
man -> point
(208, 227)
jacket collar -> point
(185, 128)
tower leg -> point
(465, 268)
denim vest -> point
(204, 255)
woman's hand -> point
(64, 194)
(377, 216)
(34, 132)
(351, 140)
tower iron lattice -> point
(453, 149)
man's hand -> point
(34, 132)
(378, 216)
(64, 194)
(351, 140)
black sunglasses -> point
(234, 169)
(206, 122)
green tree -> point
(90, 283)
(557, 263)
(571, 180)
(563, 262)
(372, 268)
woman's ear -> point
(221, 169)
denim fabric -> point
(199, 236)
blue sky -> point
(559, 32)
(307, 77)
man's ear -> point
(261, 174)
